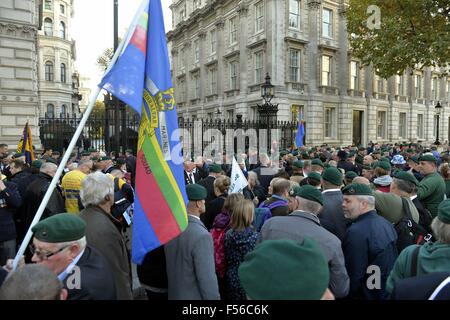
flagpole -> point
(66, 156)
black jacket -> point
(97, 279)
(34, 196)
(22, 181)
(265, 175)
(152, 271)
(212, 210)
(131, 167)
(347, 166)
(208, 183)
(257, 192)
(10, 201)
(421, 287)
(332, 216)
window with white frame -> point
(381, 124)
(230, 114)
(399, 80)
(354, 75)
(294, 14)
(233, 30)
(233, 75)
(259, 16)
(402, 125)
(294, 65)
(258, 62)
(380, 84)
(50, 111)
(434, 87)
(62, 30)
(253, 114)
(48, 27)
(418, 86)
(212, 81)
(62, 9)
(48, 5)
(212, 41)
(326, 70)
(49, 71)
(329, 122)
(327, 23)
(196, 51)
(63, 73)
(420, 125)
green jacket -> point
(390, 207)
(433, 257)
(431, 192)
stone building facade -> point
(19, 103)
(221, 51)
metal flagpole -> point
(75, 137)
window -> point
(63, 111)
(230, 114)
(329, 122)
(233, 30)
(327, 18)
(400, 86)
(48, 4)
(233, 75)
(196, 51)
(197, 86)
(259, 67)
(354, 75)
(294, 65)
(213, 81)
(402, 125)
(50, 111)
(181, 63)
(259, 16)
(62, 30)
(418, 86)
(326, 71)
(434, 86)
(253, 114)
(213, 41)
(48, 27)
(294, 14)
(49, 71)
(62, 9)
(381, 124)
(63, 73)
(420, 125)
(380, 84)
(182, 90)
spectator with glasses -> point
(60, 244)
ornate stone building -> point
(222, 49)
(19, 23)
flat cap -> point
(61, 227)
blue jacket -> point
(10, 201)
(370, 241)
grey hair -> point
(369, 199)
(48, 167)
(95, 187)
(308, 205)
(254, 176)
(80, 242)
(441, 230)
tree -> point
(412, 34)
(99, 109)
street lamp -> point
(268, 110)
(438, 109)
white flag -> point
(238, 180)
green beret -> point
(314, 175)
(85, 154)
(196, 192)
(283, 153)
(384, 165)
(295, 153)
(350, 175)
(308, 192)
(104, 158)
(298, 271)
(444, 211)
(215, 168)
(36, 164)
(62, 227)
(403, 175)
(427, 157)
(299, 164)
(326, 165)
(51, 160)
(317, 162)
(92, 150)
(305, 155)
(333, 175)
(357, 189)
(385, 159)
(409, 150)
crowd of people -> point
(357, 223)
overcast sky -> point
(93, 30)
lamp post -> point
(438, 109)
(268, 110)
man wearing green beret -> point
(215, 171)
(431, 257)
(190, 264)
(332, 217)
(349, 176)
(304, 222)
(299, 271)
(59, 244)
(317, 166)
(370, 241)
(431, 190)
(314, 179)
(106, 164)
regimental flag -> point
(300, 134)
(25, 145)
(238, 180)
(141, 78)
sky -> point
(93, 30)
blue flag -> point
(300, 134)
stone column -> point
(313, 58)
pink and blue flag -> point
(141, 78)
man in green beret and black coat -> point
(369, 245)
(215, 170)
(431, 190)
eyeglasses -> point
(44, 255)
